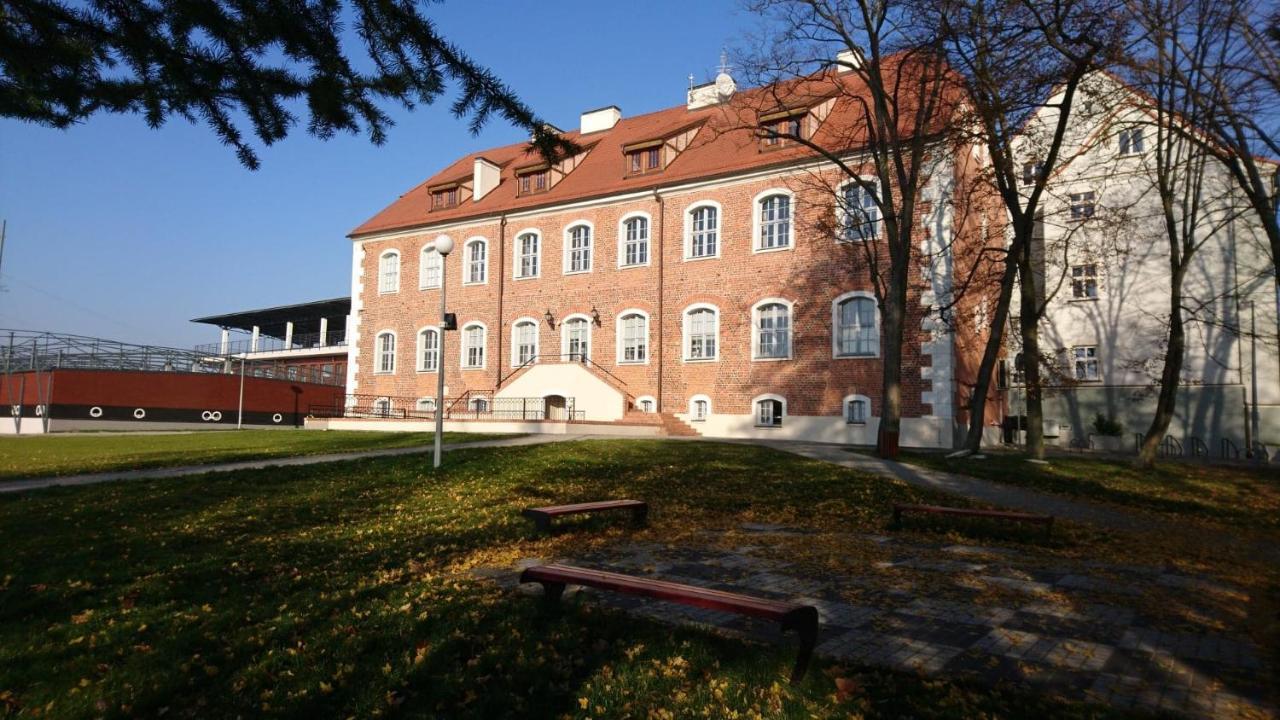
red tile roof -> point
(724, 145)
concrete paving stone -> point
(1092, 584)
(1027, 586)
(981, 550)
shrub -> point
(1109, 426)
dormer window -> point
(534, 180)
(644, 157)
(781, 129)
(444, 198)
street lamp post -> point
(443, 246)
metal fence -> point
(469, 406)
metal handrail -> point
(366, 405)
(1169, 446)
(268, 343)
(1260, 453)
(1199, 448)
(1228, 449)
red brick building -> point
(679, 264)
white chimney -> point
(847, 60)
(712, 93)
(484, 178)
(602, 119)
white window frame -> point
(844, 409)
(640, 401)
(466, 261)
(688, 229)
(1096, 360)
(382, 271)
(685, 340)
(421, 349)
(1125, 137)
(517, 252)
(755, 329)
(515, 340)
(620, 337)
(484, 346)
(564, 337)
(378, 352)
(622, 240)
(1091, 203)
(386, 407)
(842, 212)
(1085, 278)
(693, 404)
(474, 404)
(757, 225)
(755, 410)
(568, 247)
(835, 324)
(429, 251)
(418, 406)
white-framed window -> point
(633, 337)
(773, 220)
(524, 342)
(473, 345)
(475, 271)
(382, 407)
(857, 409)
(859, 215)
(771, 330)
(428, 350)
(1084, 282)
(769, 410)
(1130, 141)
(1031, 171)
(1083, 205)
(389, 272)
(646, 404)
(699, 408)
(528, 254)
(426, 405)
(701, 332)
(702, 231)
(578, 243)
(478, 405)
(855, 322)
(633, 240)
(430, 268)
(1086, 362)
(386, 352)
(575, 338)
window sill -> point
(696, 258)
(526, 277)
(428, 287)
(769, 427)
(427, 372)
(474, 283)
(384, 372)
(784, 248)
(633, 362)
(633, 265)
(855, 241)
(856, 357)
(1083, 300)
(578, 272)
(771, 359)
(470, 369)
(859, 423)
(388, 292)
(701, 360)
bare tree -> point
(902, 102)
(1019, 59)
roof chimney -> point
(847, 60)
(712, 93)
(602, 119)
(484, 178)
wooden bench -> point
(542, 516)
(791, 616)
(1046, 520)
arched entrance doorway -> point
(556, 407)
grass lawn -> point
(1230, 494)
(343, 591)
(22, 457)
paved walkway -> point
(172, 472)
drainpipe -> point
(658, 248)
(502, 280)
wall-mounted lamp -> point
(595, 315)
(551, 319)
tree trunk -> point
(990, 356)
(1169, 379)
(893, 322)
(1029, 320)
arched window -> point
(859, 214)
(428, 350)
(633, 337)
(426, 405)
(770, 410)
(857, 409)
(703, 233)
(524, 342)
(634, 241)
(774, 222)
(575, 334)
(473, 341)
(699, 408)
(386, 352)
(772, 330)
(479, 405)
(389, 272)
(701, 333)
(476, 269)
(430, 266)
(857, 332)
(528, 254)
(578, 249)
(382, 407)
(646, 404)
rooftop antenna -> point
(724, 62)
(690, 82)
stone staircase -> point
(673, 426)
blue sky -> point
(120, 231)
